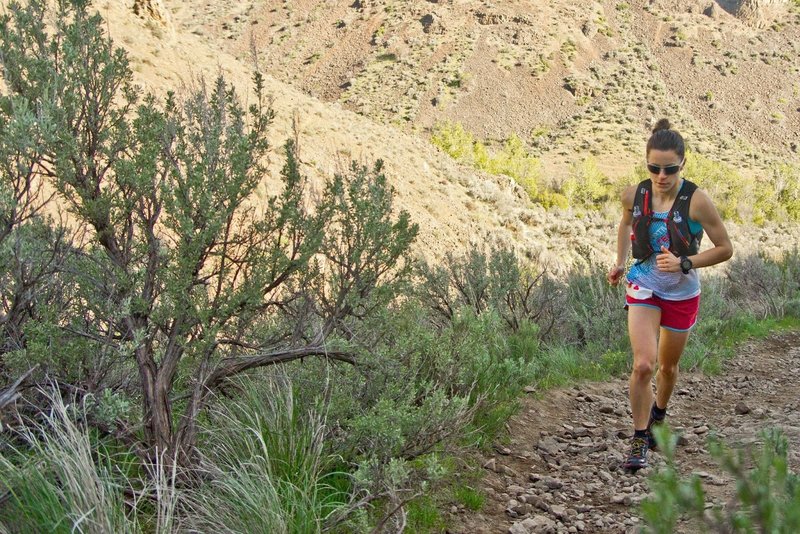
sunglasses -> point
(668, 169)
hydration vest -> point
(682, 242)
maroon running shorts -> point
(677, 315)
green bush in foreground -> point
(767, 494)
(184, 277)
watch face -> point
(686, 264)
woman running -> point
(663, 221)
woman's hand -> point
(667, 261)
(615, 274)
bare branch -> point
(398, 508)
(10, 394)
(233, 366)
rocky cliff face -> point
(153, 11)
(759, 13)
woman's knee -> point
(668, 371)
(643, 369)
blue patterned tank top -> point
(668, 286)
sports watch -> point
(686, 265)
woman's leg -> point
(670, 349)
(643, 326)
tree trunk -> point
(156, 407)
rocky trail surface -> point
(560, 470)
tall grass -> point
(265, 454)
(55, 483)
(161, 482)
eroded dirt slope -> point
(570, 78)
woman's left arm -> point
(703, 211)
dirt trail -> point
(560, 472)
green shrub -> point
(494, 281)
(454, 140)
(515, 162)
(569, 50)
(587, 186)
(183, 275)
(777, 197)
(421, 388)
(403, 399)
(767, 493)
(550, 199)
(765, 205)
(787, 185)
(596, 314)
(512, 160)
(726, 186)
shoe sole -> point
(630, 469)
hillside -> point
(592, 75)
(369, 79)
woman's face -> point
(664, 167)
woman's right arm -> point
(623, 236)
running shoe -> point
(637, 459)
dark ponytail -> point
(665, 138)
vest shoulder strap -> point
(643, 198)
(681, 204)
